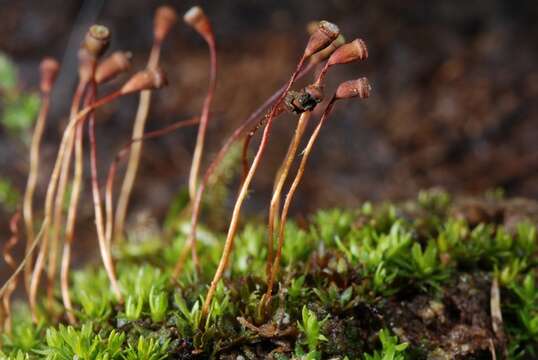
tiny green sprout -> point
(147, 349)
(334, 298)
(425, 261)
(296, 290)
(383, 280)
(367, 208)
(528, 292)
(310, 326)
(391, 349)
(509, 273)
(158, 304)
(332, 223)
(187, 320)
(526, 238)
(133, 307)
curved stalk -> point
(59, 200)
(27, 208)
(104, 247)
(202, 129)
(71, 220)
(280, 179)
(232, 230)
(289, 198)
(134, 158)
(43, 235)
(235, 136)
(124, 152)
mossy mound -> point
(424, 279)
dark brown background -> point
(454, 104)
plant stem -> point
(202, 129)
(204, 119)
(281, 177)
(42, 237)
(59, 201)
(104, 248)
(121, 154)
(228, 245)
(71, 218)
(134, 158)
(236, 135)
(289, 198)
(27, 208)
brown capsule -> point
(325, 34)
(325, 53)
(304, 100)
(355, 50)
(112, 66)
(353, 88)
(147, 79)
(48, 70)
(165, 18)
(197, 19)
(97, 40)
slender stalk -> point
(202, 129)
(228, 245)
(143, 80)
(124, 152)
(204, 119)
(281, 177)
(27, 208)
(348, 89)
(165, 18)
(8, 258)
(71, 220)
(289, 198)
(43, 236)
(235, 136)
(59, 201)
(48, 69)
(104, 248)
(134, 158)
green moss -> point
(411, 280)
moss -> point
(411, 280)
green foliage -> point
(331, 224)
(9, 195)
(346, 264)
(158, 304)
(91, 291)
(69, 343)
(146, 349)
(310, 328)
(19, 109)
(20, 113)
(391, 348)
(525, 308)
(8, 73)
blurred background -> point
(453, 105)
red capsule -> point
(148, 79)
(354, 88)
(48, 70)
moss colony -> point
(429, 279)
(425, 279)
